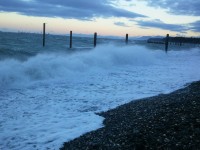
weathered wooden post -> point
(95, 39)
(44, 34)
(166, 42)
(70, 40)
(126, 38)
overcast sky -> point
(107, 17)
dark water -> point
(24, 45)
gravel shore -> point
(166, 121)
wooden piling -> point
(70, 40)
(95, 39)
(44, 34)
(126, 38)
(166, 42)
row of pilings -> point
(70, 37)
(166, 41)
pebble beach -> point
(166, 121)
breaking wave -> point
(47, 66)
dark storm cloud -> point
(78, 9)
(161, 25)
(178, 7)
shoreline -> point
(166, 121)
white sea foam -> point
(52, 98)
(57, 66)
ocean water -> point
(50, 95)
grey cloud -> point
(159, 24)
(195, 26)
(178, 7)
(78, 9)
(122, 24)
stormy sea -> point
(50, 95)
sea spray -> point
(52, 97)
(47, 66)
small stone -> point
(166, 140)
(182, 118)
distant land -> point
(149, 39)
(92, 35)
